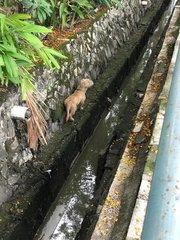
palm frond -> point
(37, 124)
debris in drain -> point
(140, 138)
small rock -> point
(12, 180)
(27, 155)
(3, 153)
(11, 129)
(140, 95)
(15, 158)
(161, 67)
(5, 193)
(55, 127)
(4, 170)
(14, 144)
(140, 139)
(75, 72)
(138, 127)
(99, 208)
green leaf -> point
(15, 23)
(55, 53)
(1, 76)
(33, 40)
(35, 29)
(15, 70)
(44, 13)
(40, 17)
(12, 69)
(52, 3)
(2, 25)
(63, 19)
(78, 11)
(2, 15)
(19, 17)
(10, 41)
(1, 61)
(61, 9)
(21, 57)
(21, 63)
(53, 60)
(7, 65)
(44, 57)
(26, 85)
(19, 47)
(83, 3)
(8, 48)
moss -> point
(65, 52)
(175, 33)
(59, 111)
(3, 93)
(149, 167)
(3, 219)
(178, 22)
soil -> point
(60, 36)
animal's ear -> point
(82, 84)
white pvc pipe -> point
(20, 112)
(144, 3)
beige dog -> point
(78, 97)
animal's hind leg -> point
(71, 118)
(73, 110)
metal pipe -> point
(163, 211)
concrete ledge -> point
(136, 225)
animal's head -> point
(86, 83)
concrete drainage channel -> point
(84, 180)
(75, 211)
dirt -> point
(60, 36)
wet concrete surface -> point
(75, 206)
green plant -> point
(70, 9)
(38, 9)
(5, 3)
(9, 6)
(20, 48)
(59, 12)
(109, 2)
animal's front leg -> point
(82, 104)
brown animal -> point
(78, 97)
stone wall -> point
(89, 53)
